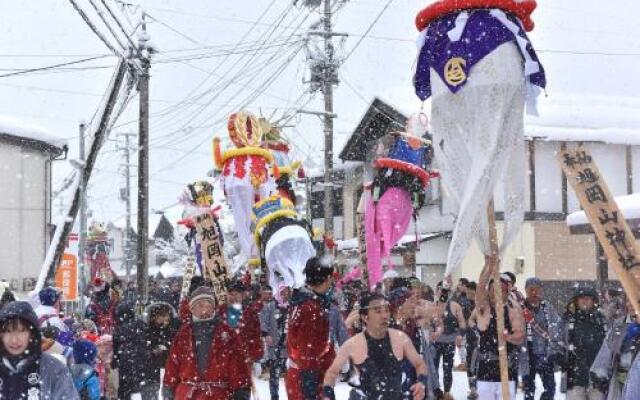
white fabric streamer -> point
(286, 253)
(478, 137)
(242, 196)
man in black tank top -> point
(378, 353)
(488, 366)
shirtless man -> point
(488, 369)
(378, 353)
(454, 325)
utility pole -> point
(143, 167)
(127, 199)
(324, 75)
(327, 89)
(82, 235)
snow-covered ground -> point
(459, 390)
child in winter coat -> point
(26, 372)
(83, 372)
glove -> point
(310, 382)
(599, 383)
(528, 315)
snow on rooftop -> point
(629, 206)
(339, 165)
(20, 129)
(352, 244)
(609, 119)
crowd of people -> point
(399, 341)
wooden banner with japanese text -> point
(187, 276)
(66, 277)
(215, 266)
(609, 225)
(362, 242)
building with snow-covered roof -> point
(610, 129)
(26, 155)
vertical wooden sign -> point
(189, 271)
(362, 242)
(608, 223)
(215, 266)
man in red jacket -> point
(308, 343)
(201, 361)
(245, 325)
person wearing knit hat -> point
(202, 303)
(204, 351)
(83, 372)
(48, 311)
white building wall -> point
(611, 160)
(635, 168)
(548, 177)
(23, 214)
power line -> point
(94, 28)
(376, 19)
(189, 97)
(174, 30)
(49, 67)
(239, 73)
(251, 98)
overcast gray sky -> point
(586, 46)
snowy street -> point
(195, 191)
(459, 392)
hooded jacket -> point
(158, 341)
(128, 350)
(584, 332)
(32, 371)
